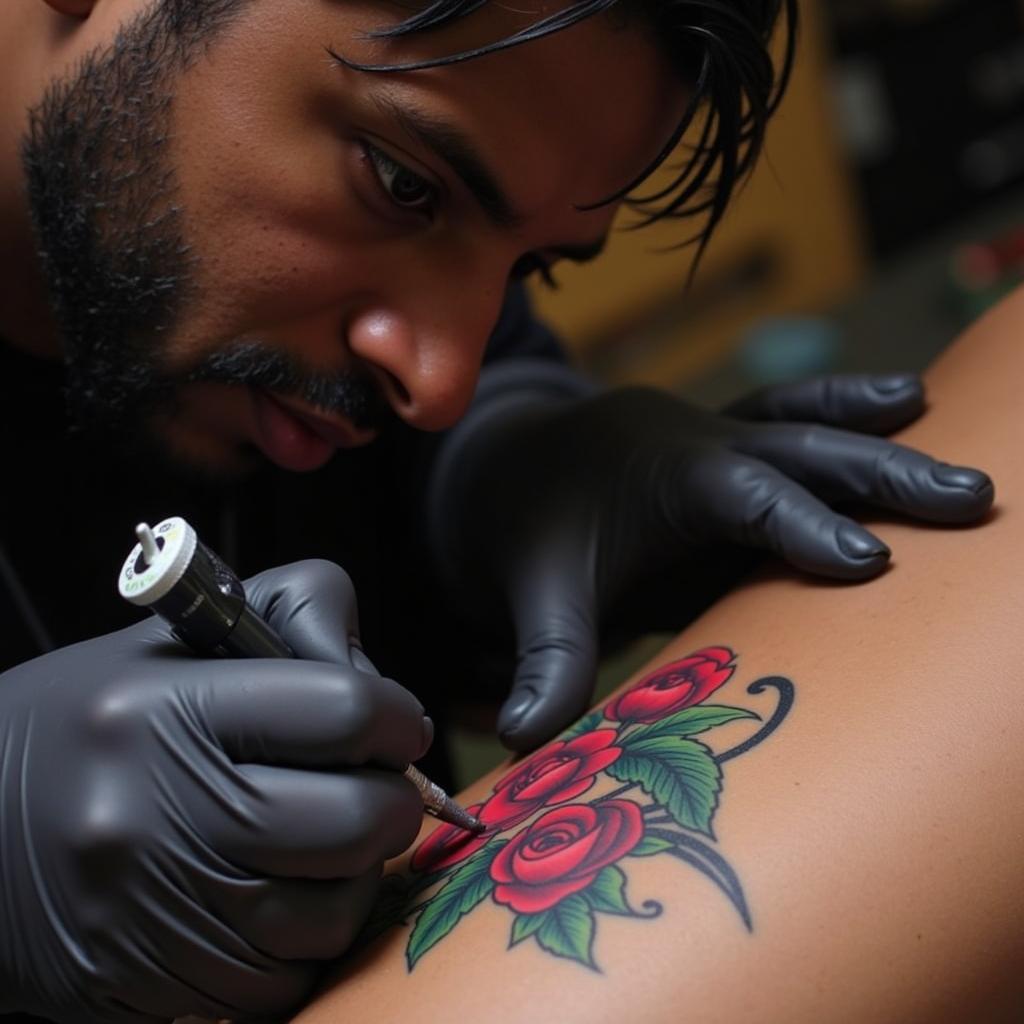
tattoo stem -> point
(616, 792)
(785, 688)
(710, 863)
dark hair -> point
(721, 51)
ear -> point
(72, 8)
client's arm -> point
(859, 859)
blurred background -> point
(886, 213)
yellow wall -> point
(627, 316)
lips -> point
(293, 437)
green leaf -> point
(649, 846)
(607, 893)
(681, 776)
(690, 722)
(524, 926)
(568, 930)
(588, 723)
(466, 888)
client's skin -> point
(860, 863)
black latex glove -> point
(567, 511)
(189, 836)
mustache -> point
(353, 393)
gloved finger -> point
(361, 661)
(256, 992)
(555, 620)
(202, 967)
(298, 919)
(741, 499)
(118, 1016)
(841, 465)
(304, 824)
(308, 713)
(256, 989)
(313, 606)
(870, 403)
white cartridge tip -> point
(150, 550)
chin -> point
(215, 466)
(205, 458)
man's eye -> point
(404, 187)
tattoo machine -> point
(174, 574)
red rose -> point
(673, 687)
(561, 771)
(562, 852)
(448, 845)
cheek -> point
(259, 233)
(264, 274)
(269, 216)
(258, 278)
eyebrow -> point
(452, 146)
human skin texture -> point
(876, 835)
(316, 223)
(557, 862)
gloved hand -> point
(188, 836)
(565, 512)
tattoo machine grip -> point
(171, 572)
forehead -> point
(566, 119)
(592, 104)
(574, 115)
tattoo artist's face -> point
(257, 250)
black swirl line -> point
(786, 690)
(710, 863)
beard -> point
(103, 197)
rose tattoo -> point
(555, 863)
(562, 852)
(674, 687)
(563, 770)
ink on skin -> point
(557, 864)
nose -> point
(428, 366)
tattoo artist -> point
(262, 267)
